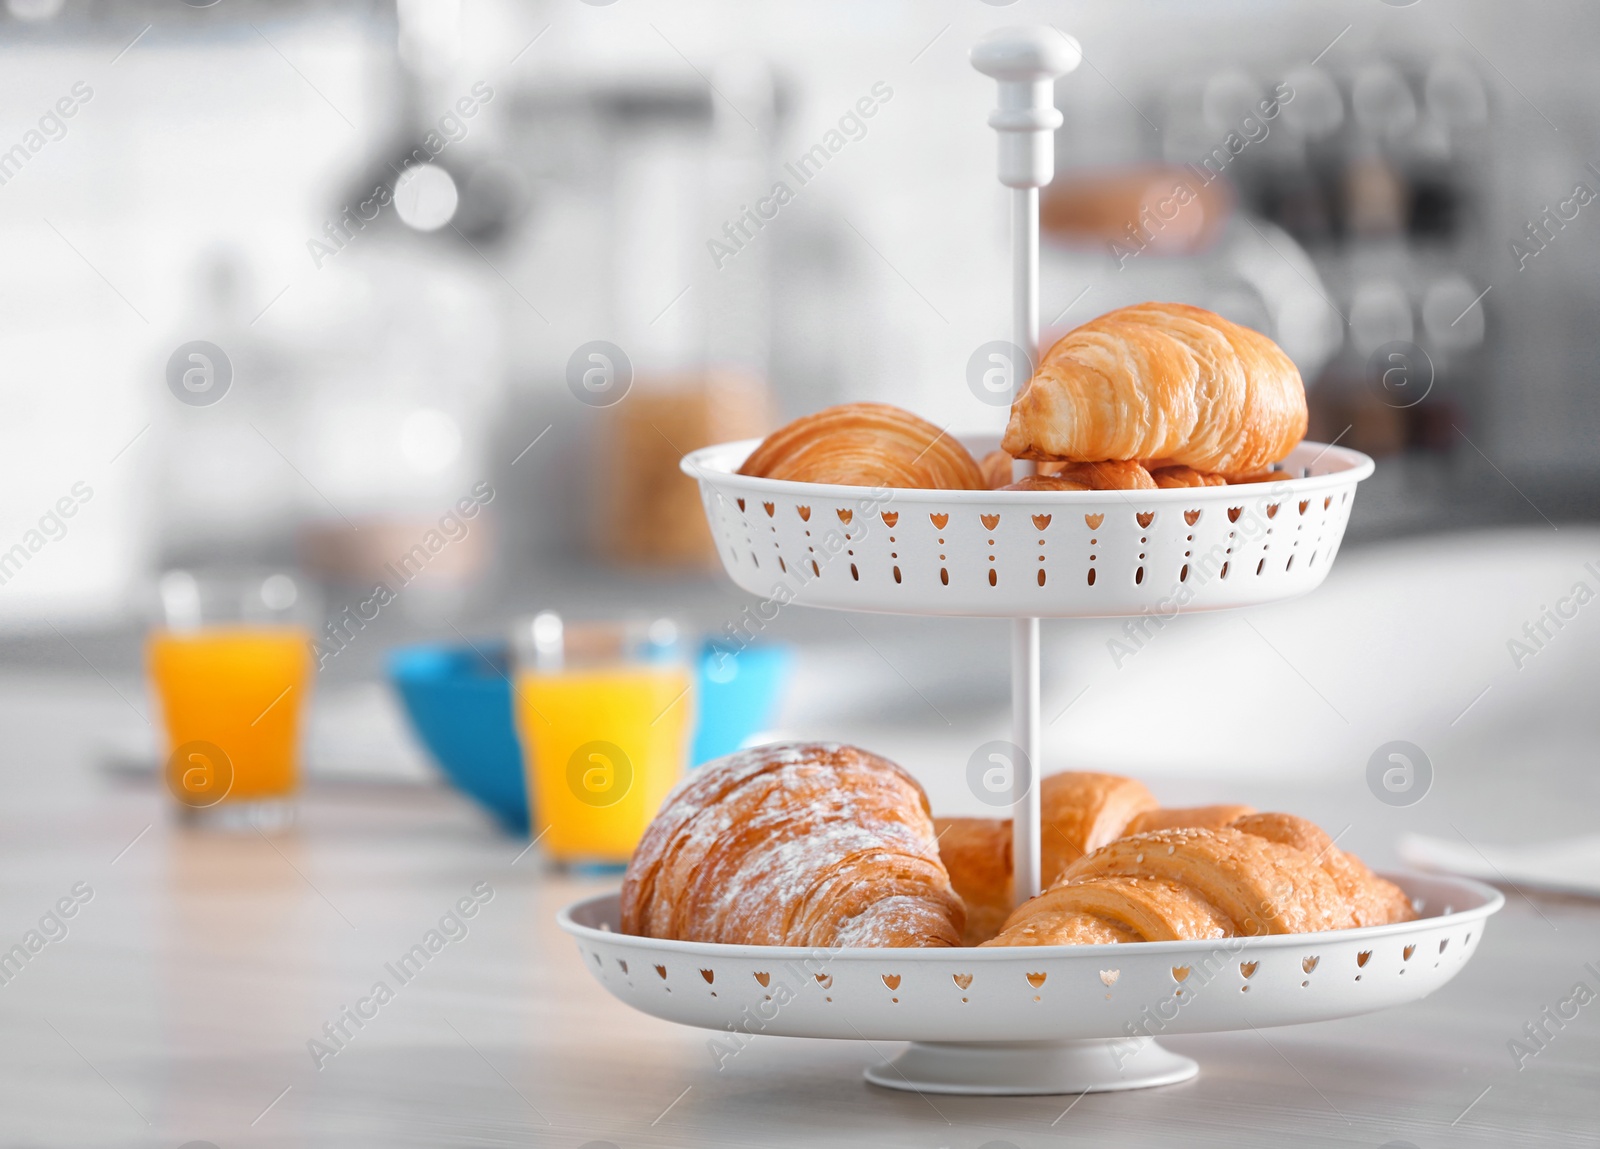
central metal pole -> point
(1025, 810)
(1025, 62)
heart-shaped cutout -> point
(1304, 503)
(1180, 973)
(1110, 976)
(962, 980)
(1040, 522)
(1272, 510)
(768, 508)
(662, 970)
(1327, 502)
(1145, 518)
(939, 521)
(709, 974)
(1309, 964)
(1443, 943)
(1234, 513)
(623, 964)
(765, 979)
(1191, 517)
(1093, 521)
(845, 515)
(1248, 969)
(890, 518)
(825, 980)
(892, 980)
(805, 514)
(1037, 979)
(1363, 958)
(1405, 954)
(740, 502)
(990, 522)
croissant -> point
(1167, 477)
(1185, 818)
(1110, 475)
(1263, 874)
(1373, 901)
(866, 445)
(1081, 811)
(996, 469)
(1261, 477)
(793, 844)
(977, 855)
(1114, 475)
(1164, 382)
(1047, 483)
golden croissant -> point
(866, 445)
(1165, 384)
(1109, 475)
(1179, 476)
(1081, 811)
(1047, 483)
(1261, 874)
(996, 469)
(794, 844)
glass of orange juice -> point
(232, 671)
(605, 714)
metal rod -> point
(1025, 269)
(1025, 62)
(1026, 814)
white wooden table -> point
(180, 1004)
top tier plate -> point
(1068, 554)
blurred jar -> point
(605, 711)
(650, 511)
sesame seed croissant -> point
(1262, 874)
(794, 844)
(1163, 383)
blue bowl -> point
(459, 704)
(737, 697)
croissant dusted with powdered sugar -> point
(794, 844)
(1081, 811)
(1261, 874)
(866, 445)
(1166, 384)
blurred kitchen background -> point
(405, 224)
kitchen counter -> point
(181, 1004)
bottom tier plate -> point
(1044, 1019)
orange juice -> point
(601, 746)
(234, 689)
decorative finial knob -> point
(1025, 62)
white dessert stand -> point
(1049, 1019)
(1035, 1020)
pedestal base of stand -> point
(1032, 1068)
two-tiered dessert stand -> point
(1050, 1019)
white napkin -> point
(1571, 865)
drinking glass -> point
(605, 713)
(232, 670)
